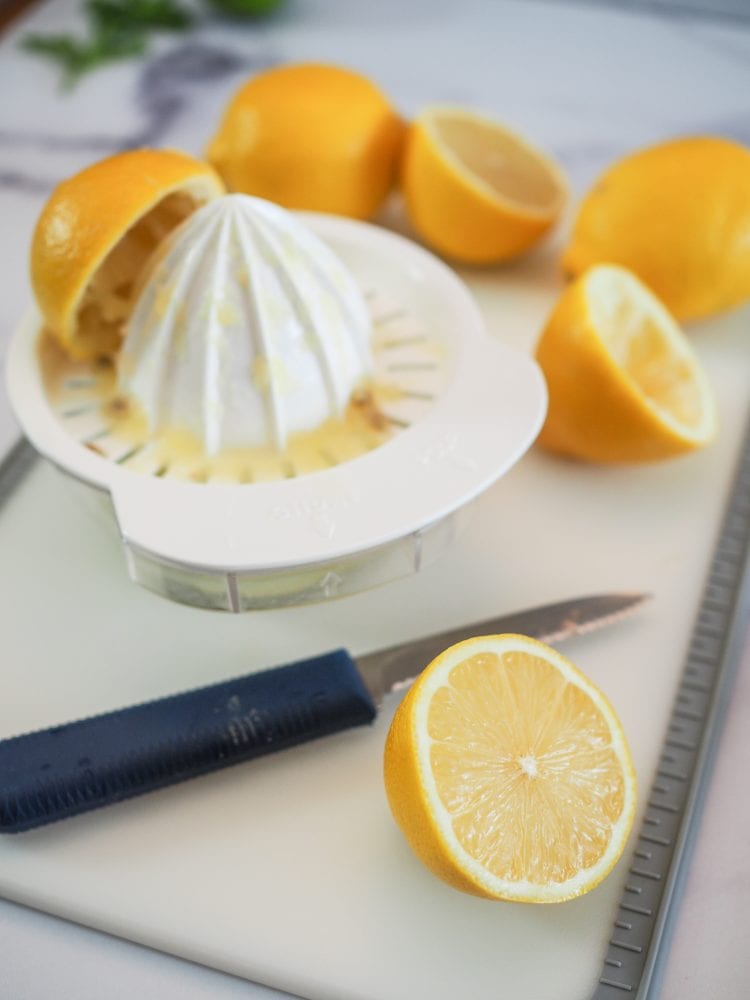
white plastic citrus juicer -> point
(461, 409)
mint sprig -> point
(117, 29)
(129, 15)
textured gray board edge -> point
(636, 957)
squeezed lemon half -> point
(624, 382)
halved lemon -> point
(509, 773)
(624, 383)
(95, 234)
(474, 190)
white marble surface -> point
(586, 83)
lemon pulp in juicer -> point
(181, 455)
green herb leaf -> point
(130, 14)
(78, 56)
(117, 30)
(246, 8)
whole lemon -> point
(678, 215)
(310, 136)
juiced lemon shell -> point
(247, 330)
(96, 232)
(624, 384)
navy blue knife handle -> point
(69, 769)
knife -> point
(68, 769)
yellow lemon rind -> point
(677, 214)
(310, 136)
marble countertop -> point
(587, 82)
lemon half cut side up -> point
(476, 191)
(509, 773)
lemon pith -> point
(509, 774)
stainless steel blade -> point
(396, 667)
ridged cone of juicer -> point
(247, 329)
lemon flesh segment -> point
(497, 162)
(535, 795)
(509, 773)
(474, 190)
(649, 347)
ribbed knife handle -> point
(69, 769)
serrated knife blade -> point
(397, 667)
(78, 766)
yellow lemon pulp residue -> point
(178, 453)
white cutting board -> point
(289, 870)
